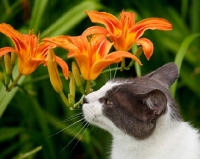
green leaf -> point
(180, 56)
(9, 150)
(6, 97)
(11, 10)
(38, 10)
(7, 133)
(72, 17)
(45, 131)
(195, 16)
(28, 154)
(184, 8)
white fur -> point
(93, 110)
(170, 139)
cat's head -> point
(134, 106)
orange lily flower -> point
(91, 54)
(125, 32)
(30, 52)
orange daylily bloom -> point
(125, 32)
(30, 52)
(91, 54)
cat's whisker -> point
(79, 126)
(105, 77)
(115, 71)
(81, 135)
(110, 73)
(86, 123)
(73, 117)
(91, 129)
(66, 127)
(117, 89)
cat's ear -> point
(155, 102)
(166, 74)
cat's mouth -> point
(98, 122)
(101, 124)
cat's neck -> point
(166, 139)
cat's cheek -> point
(92, 111)
(88, 112)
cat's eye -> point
(108, 102)
(105, 101)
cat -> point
(142, 117)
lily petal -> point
(62, 41)
(111, 58)
(63, 66)
(30, 52)
(14, 35)
(127, 20)
(27, 66)
(100, 46)
(80, 42)
(83, 63)
(94, 30)
(30, 40)
(100, 65)
(43, 48)
(147, 46)
(6, 50)
(90, 53)
(121, 54)
(150, 23)
(111, 22)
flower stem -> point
(64, 98)
(7, 81)
(137, 53)
(87, 90)
(79, 102)
(131, 64)
(14, 82)
(122, 64)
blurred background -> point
(35, 123)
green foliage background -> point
(31, 114)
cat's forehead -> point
(102, 91)
(140, 85)
(136, 85)
(109, 85)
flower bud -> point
(2, 79)
(53, 72)
(72, 87)
(8, 65)
(13, 58)
(77, 77)
(71, 99)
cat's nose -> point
(85, 101)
